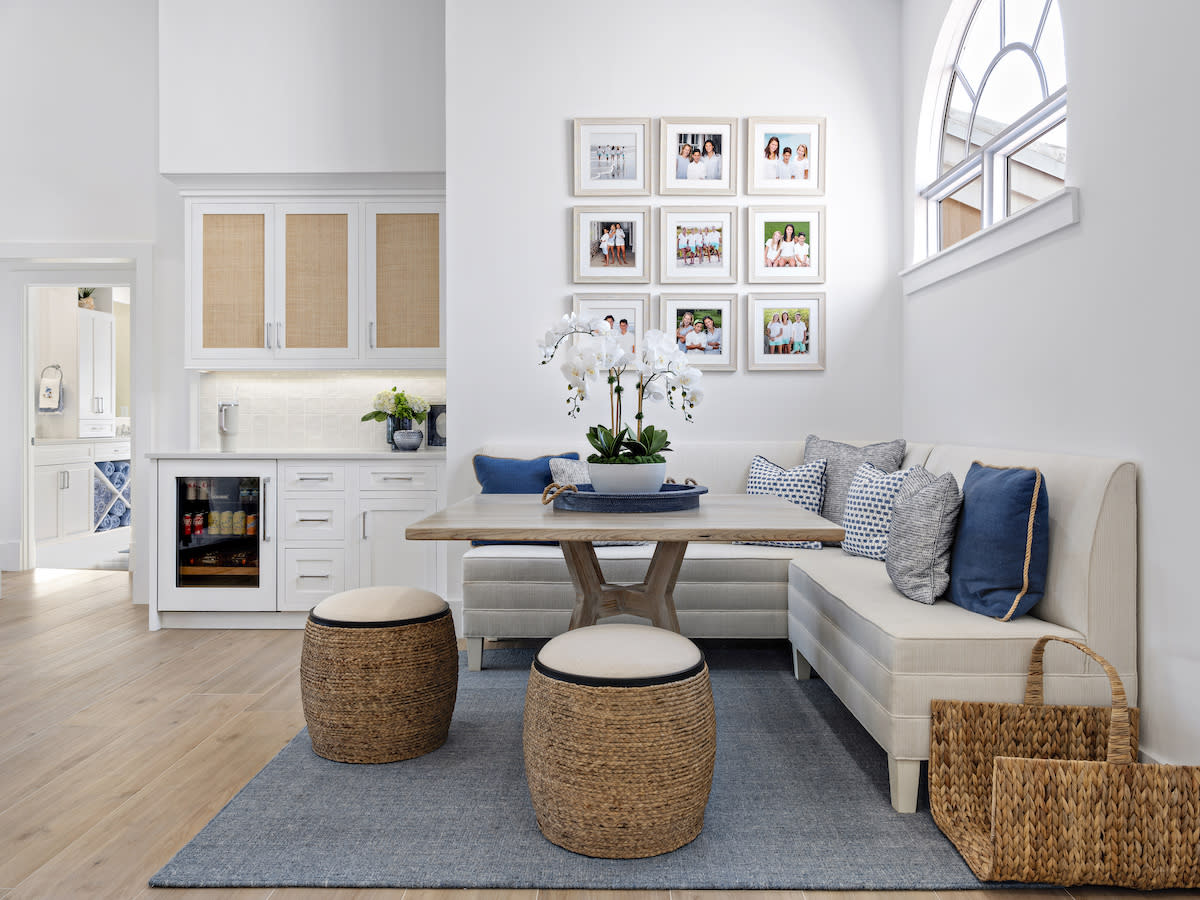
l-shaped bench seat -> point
(885, 656)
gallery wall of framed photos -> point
(714, 241)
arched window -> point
(1003, 143)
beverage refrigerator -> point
(216, 535)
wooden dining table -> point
(719, 518)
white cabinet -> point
(63, 500)
(336, 524)
(97, 373)
(329, 283)
(385, 555)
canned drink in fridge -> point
(198, 523)
(252, 523)
(239, 522)
(214, 522)
(227, 521)
(191, 489)
(187, 523)
(202, 490)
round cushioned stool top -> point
(381, 604)
(619, 652)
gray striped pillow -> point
(924, 518)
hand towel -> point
(50, 395)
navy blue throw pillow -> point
(1002, 548)
(502, 475)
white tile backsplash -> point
(304, 410)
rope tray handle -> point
(553, 489)
(1119, 752)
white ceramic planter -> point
(643, 478)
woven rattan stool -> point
(620, 740)
(378, 674)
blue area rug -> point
(799, 800)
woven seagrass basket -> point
(379, 694)
(1029, 792)
(620, 772)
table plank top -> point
(720, 517)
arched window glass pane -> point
(1021, 20)
(954, 136)
(961, 213)
(1012, 89)
(982, 43)
(1038, 169)
(1050, 50)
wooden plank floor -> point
(118, 744)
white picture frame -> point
(631, 259)
(763, 222)
(795, 352)
(673, 310)
(718, 161)
(634, 308)
(770, 176)
(697, 244)
(612, 157)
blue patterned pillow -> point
(867, 517)
(803, 485)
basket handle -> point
(1119, 752)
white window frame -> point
(989, 163)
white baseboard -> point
(10, 555)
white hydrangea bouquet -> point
(398, 404)
(596, 360)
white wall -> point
(77, 164)
(514, 83)
(1083, 342)
(301, 86)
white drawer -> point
(315, 476)
(315, 518)
(97, 428)
(390, 476)
(53, 454)
(115, 450)
(310, 575)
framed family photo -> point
(612, 157)
(705, 327)
(612, 243)
(697, 156)
(698, 244)
(785, 331)
(626, 314)
(785, 155)
(786, 244)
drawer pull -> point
(314, 576)
(396, 478)
(314, 478)
(313, 519)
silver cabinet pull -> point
(395, 478)
(268, 336)
(314, 478)
(372, 340)
(62, 481)
(314, 576)
(266, 519)
(279, 340)
(366, 512)
(68, 474)
(325, 519)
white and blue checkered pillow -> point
(868, 513)
(803, 485)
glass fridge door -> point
(217, 530)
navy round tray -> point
(670, 498)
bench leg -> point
(474, 654)
(904, 778)
(800, 666)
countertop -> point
(424, 454)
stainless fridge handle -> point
(266, 519)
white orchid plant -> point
(596, 358)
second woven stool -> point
(378, 674)
(620, 740)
